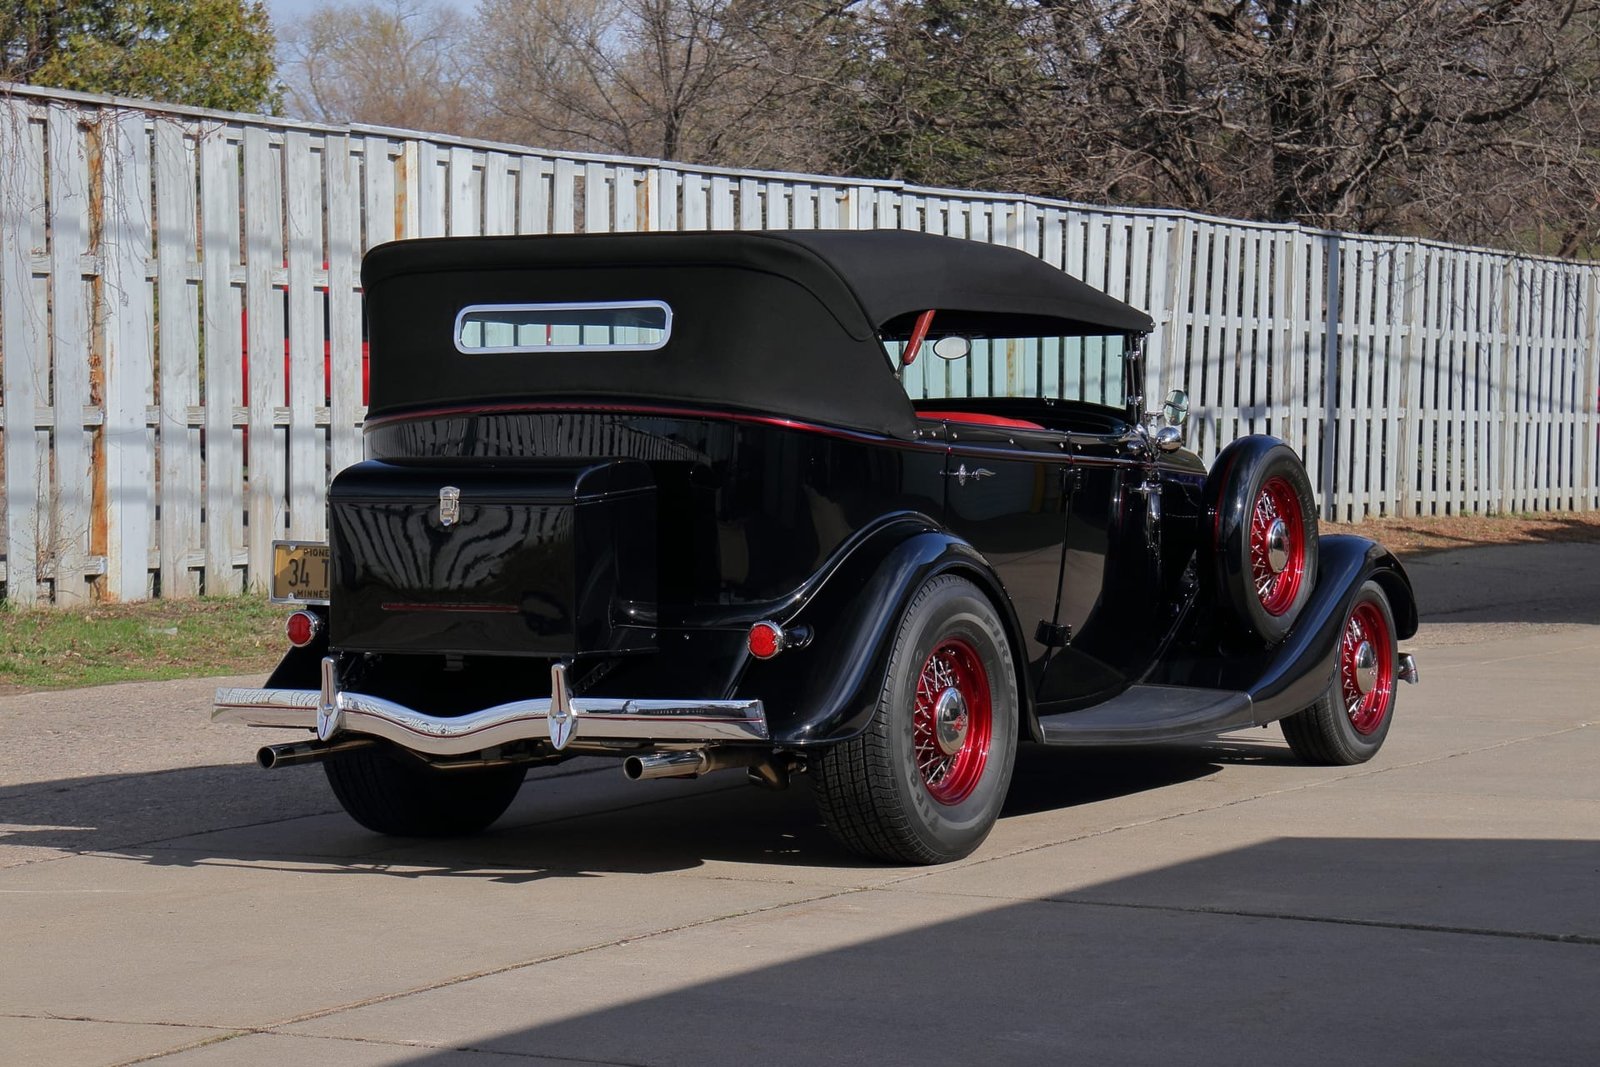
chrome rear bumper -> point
(558, 719)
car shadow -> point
(577, 820)
(1048, 779)
(1552, 582)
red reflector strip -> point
(499, 609)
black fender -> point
(828, 690)
(301, 668)
(1293, 675)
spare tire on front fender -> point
(1259, 537)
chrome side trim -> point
(590, 718)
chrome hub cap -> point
(950, 721)
(1278, 546)
(1366, 671)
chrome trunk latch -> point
(562, 717)
(449, 506)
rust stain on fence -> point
(99, 493)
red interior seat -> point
(980, 419)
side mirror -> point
(951, 347)
(1176, 409)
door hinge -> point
(1052, 634)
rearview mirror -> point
(951, 347)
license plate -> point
(300, 571)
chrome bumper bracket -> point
(562, 714)
(330, 720)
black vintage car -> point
(665, 498)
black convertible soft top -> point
(779, 322)
(897, 273)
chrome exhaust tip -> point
(1408, 669)
(272, 757)
(691, 764)
(667, 765)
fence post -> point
(1507, 392)
(23, 335)
(1175, 305)
(1415, 305)
(219, 238)
(1333, 299)
(128, 364)
(263, 304)
(1589, 490)
(69, 342)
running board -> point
(1145, 714)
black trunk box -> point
(545, 560)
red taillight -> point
(765, 640)
(301, 628)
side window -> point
(1086, 369)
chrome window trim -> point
(594, 305)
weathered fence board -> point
(73, 351)
(22, 171)
(129, 365)
(154, 260)
(178, 355)
(220, 256)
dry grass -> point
(1435, 533)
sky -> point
(284, 11)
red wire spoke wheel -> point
(1277, 546)
(1260, 539)
(953, 721)
(1366, 668)
(925, 780)
(1348, 723)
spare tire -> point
(1259, 537)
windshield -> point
(1086, 369)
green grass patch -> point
(58, 649)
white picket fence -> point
(144, 250)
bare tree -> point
(1468, 119)
(400, 63)
(1465, 119)
(714, 81)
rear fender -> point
(301, 668)
(828, 690)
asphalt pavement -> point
(163, 898)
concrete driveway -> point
(160, 897)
